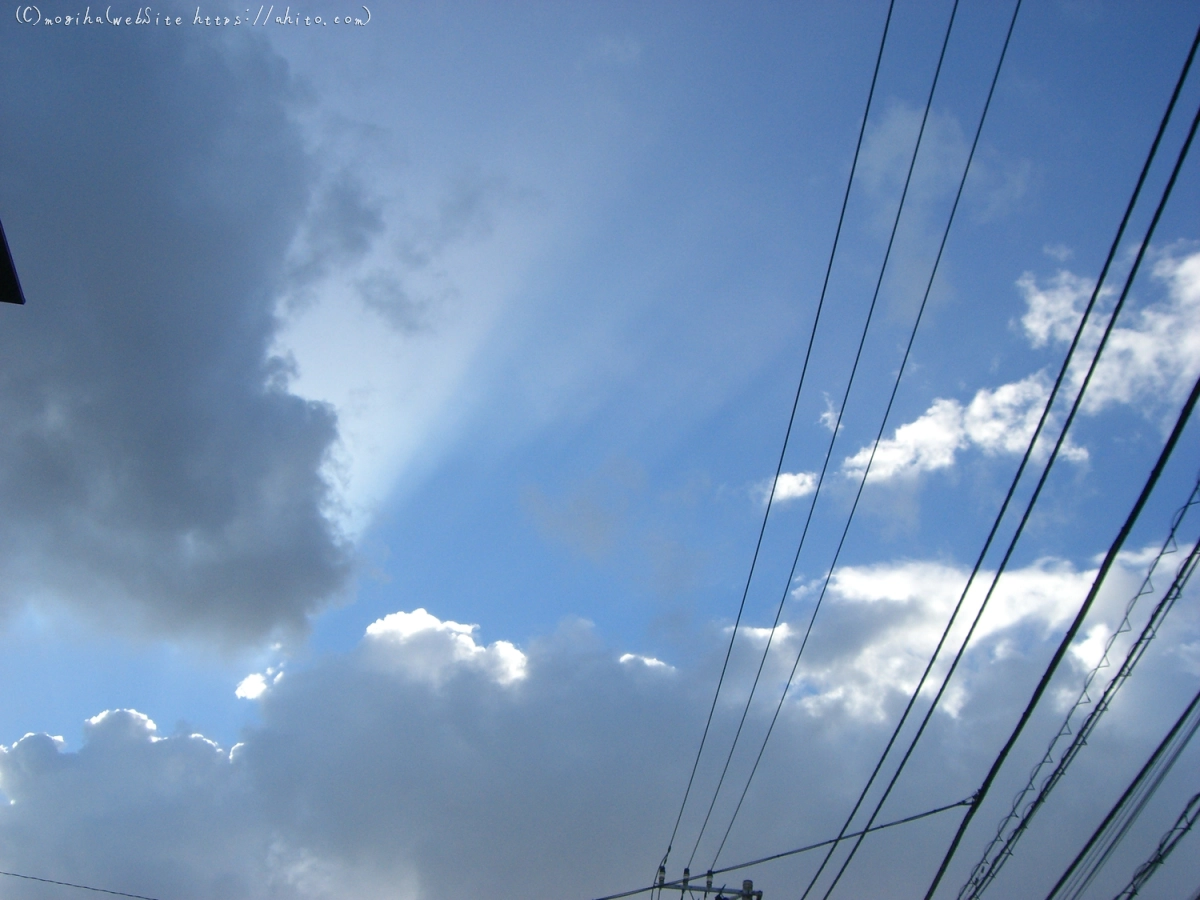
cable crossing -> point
(1011, 491)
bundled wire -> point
(1166, 845)
(1110, 832)
(1118, 542)
(1014, 824)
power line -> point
(1184, 415)
(679, 883)
(832, 438)
(82, 887)
(980, 878)
(1001, 847)
(1166, 846)
(882, 428)
(1116, 824)
(787, 434)
(1012, 488)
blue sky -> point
(497, 313)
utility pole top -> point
(684, 886)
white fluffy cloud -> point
(1153, 353)
(792, 486)
(907, 605)
(995, 421)
(256, 684)
(430, 649)
(881, 622)
(1154, 357)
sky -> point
(385, 441)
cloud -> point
(1053, 312)
(368, 778)
(997, 183)
(155, 471)
(1060, 252)
(927, 444)
(1150, 360)
(251, 687)
(792, 486)
(391, 290)
(996, 188)
(829, 418)
(1153, 354)
(254, 685)
(365, 779)
(649, 662)
(882, 622)
(430, 649)
(995, 421)
(887, 151)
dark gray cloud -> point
(340, 227)
(154, 471)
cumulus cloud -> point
(649, 662)
(367, 778)
(431, 649)
(256, 684)
(995, 421)
(791, 486)
(1153, 357)
(143, 811)
(155, 470)
(367, 781)
(1153, 353)
(883, 622)
(251, 687)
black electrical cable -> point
(1166, 846)
(1020, 471)
(832, 438)
(1000, 849)
(1184, 414)
(879, 435)
(1166, 748)
(791, 420)
(985, 872)
(82, 887)
(1128, 816)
